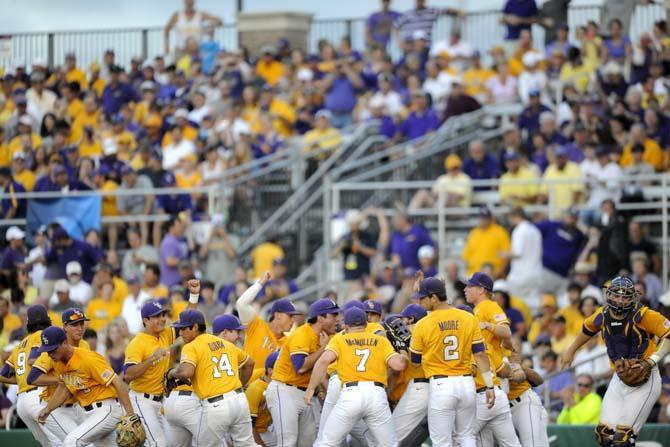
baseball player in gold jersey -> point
(295, 422)
(362, 362)
(493, 423)
(18, 366)
(65, 418)
(88, 377)
(147, 360)
(260, 415)
(262, 338)
(217, 370)
(444, 344)
(528, 415)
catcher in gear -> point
(130, 431)
(636, 338)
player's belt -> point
(69, 405)
(97, 404)
(421, 380)
(152, 397)
(350, 384)
(441, 376)
(514, 401)
(301, 388)
(482, 389)
(184, 393)
(211, 400)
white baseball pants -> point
(182, 413)
(227, 416)
(452, 409)
(28, 407)
(530, 420)
(149, 412)
(295, 423)
(365, 401)
(98, 426)
(494, 425)
(61, 422)
(639, 401)
(359, 432)
(411, 410)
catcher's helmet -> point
(624, 289)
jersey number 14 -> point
(222, 364)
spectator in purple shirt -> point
(379, 25)
(66, 249)
(172, 250)
(387, 127)
(529, 119)
(11, 207)
(421, 121)
(518, 15)
(406, 240)
(58, 180)
(480, 165)
(117, 93)
(14, 254)
(339, 89)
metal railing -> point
(446, 220)
(147, 42)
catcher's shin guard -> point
(604, 435)
(624, 436)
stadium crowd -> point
(595, 109)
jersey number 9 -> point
(21, 364)
(451, 347)
(222, 364)
(364, 354)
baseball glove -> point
(130, 431)
(633, 372)
(398, 334)
(169, 384)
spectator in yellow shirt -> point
(263, 255)
(575, 70)
(541, 326)
(96, 82)
(572, 311)
(26, 140)
(268, 68)
(455, 183)
(90, 146)
(151, 282)
(102, 309)
(652, 151)
(188, 176)
(74, 74)
(560, 339)
(323, 138)
(89, 117)
(22, 175)
(562, 183)
(104, 273)
(581, 406)
(474, 79)
(188, 132)
(141, 112)
(70, 92)
(9, 321)
(519, 185)
(485, 243)
(282, 114)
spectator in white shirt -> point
(132, 305)
(200, 108)
(502, 87)
(41, 100)
(437, 83)
(459, 51)
(525, 259)
(80, 290)
(392, 100)
(604, 183)
(532, 78)
(179, 147)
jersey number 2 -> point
(222, 364)
(451, 347)
(364, 354)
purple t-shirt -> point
(175, 248)
(416, 126)
(341, 98)
(406, 245)
(11, 258)
(380, 25)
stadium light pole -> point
(240, 6)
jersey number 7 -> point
(364, 354)
(451, 348)
(222, 364)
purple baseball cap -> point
(271, 359)
(431, 286)
(52, 337)
(353, 303)
(355, 317)
(38, 314)
(324, 306)
(284, 306)
(373, 307)
(389, 318)
(479, 279)
(152, 308)
(73, 315)
(465, 307)
(188, 318)
(227, 321)
(414, 311)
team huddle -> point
(347, 374)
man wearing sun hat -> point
(455, 187)
(292, 373)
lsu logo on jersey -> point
(72, 381)
(268, 344)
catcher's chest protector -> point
(623, 338)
